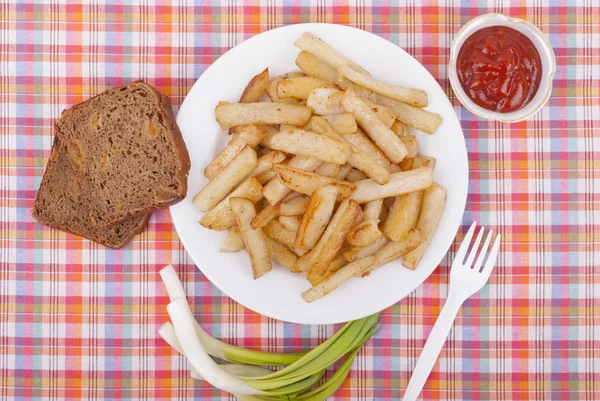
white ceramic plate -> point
(278, 293)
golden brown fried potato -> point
(234, 241)
(300, 87)
(293, 207)
(232, 114)
(434, 201)
(309, 144)
(339, 262)
(399, 128)
(254, 240)
(400, 183)
(353, 254)
(250, 136)
(272, 92)
(423, 120)
(317, 217)
(275, 191)
(282, 255)
(403, 215)
(220, 217)
(227, 179)
(291, 223)
(306, 182)
(312, 44)
(395, 250)
(343, 123)
(255, 88)
(383, 137)
(414, 97)
(367, 232)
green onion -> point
(244, 377)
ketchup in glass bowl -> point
(501, 68)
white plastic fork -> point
(466, 279)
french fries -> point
(220, 217)
(292, 160)
(383, 137)
(275, 191)
(227, 179)
(255, 88)
(312, 44)
(254, 240)
(353, 254)
(310, 144)
(399, 184)
(314, 67)
(306, 182)
(300, 87)
(251, 136)
(414, 97)
(232, 114)
(234, 241)
(272, 92)
(420, 119)
(434, 201)
(282, 255)
(343, 123)
(332, 239)
(367, 232)
(317, 216)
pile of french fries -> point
(324, 176)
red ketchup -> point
(499, 68)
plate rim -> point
(454, 228)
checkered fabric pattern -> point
(79, 321)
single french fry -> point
(403, 215)
(309, 144)
(232, 114)
(234, 242)
(312, 44)
(314, 67)
(394, 250)
(360, 160)
(367, 232)
(255, 88)
(250, 136)
(227, 179)
(399, 128)
(343, 123)
(300, 87)
(322, 126)
(434, 201)
(306, 182)
(266, 162)
(291, 223)
(272, 92)
(293, 207)
(254, 240)
(361, 141)
(332, 239)
(266, 176)
(399, 184)
(414, 97)
(263, 217)
(220, 217)
(317, 217)
(275, 191)
(420, 119)
(338, 278)
(282, 255)
(353, 254)
(339, 262)
(355, 175)
(382, 113)
(276, 231)
(383, 137)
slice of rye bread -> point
(60, 204)
(127, 152)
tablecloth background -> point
(78, 321)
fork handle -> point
(433, 347)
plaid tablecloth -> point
(78, 321)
